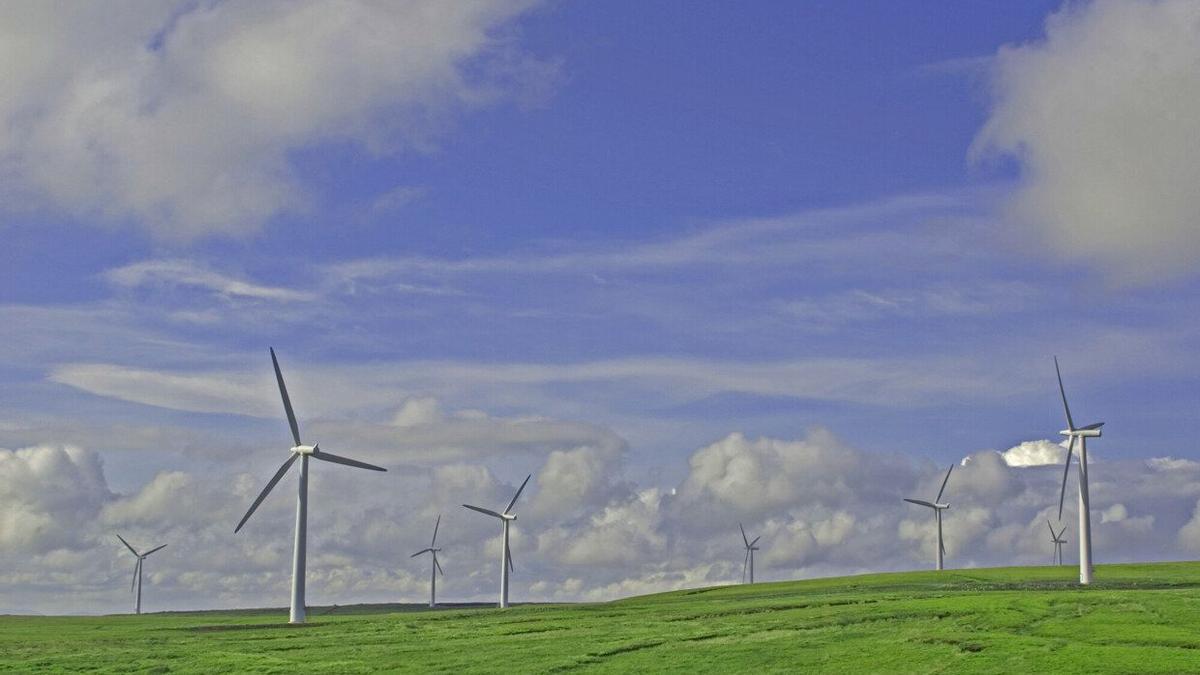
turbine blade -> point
(745, 561)
(1053, 537)
(136, 566)
(1061, 390)
(508, 554)
(944, 481)
(755, 541)
(337, 459)
(483, 510)
(424, 550)
(131, 549)
(920, 502)
(744, 539)
(437, 564)
(156, 548)
(435, 529)
(1062, 493)
(263, 495)
(519, 490)
(1094, 425)
(287, 402)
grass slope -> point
(1136, 618)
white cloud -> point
(187, 273)
(181, 115)
(1035, 453)
(1104, 117)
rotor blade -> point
(744, 539)
(919, 502)
(435, 529)
(1061, 390)
(424, 550)
(519, 490)
(156, 548)
(131, 549)
(943, 545)
(944, 481)
(1053, 537)
(745, 561)
(508, 554)
(483, 510)
(755, 541)
(1094, 425)
(437, 564)
(287, 402)
(1066, 467)
(337, 459)
(136, 566)
(263, 495)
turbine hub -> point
(508, 516)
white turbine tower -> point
(435, 568)
(301, 452)
(750, 549)
(506, 563)
(1056, 538)
(937, 507)
(1085, 519)
(137, 572)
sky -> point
(690, 265)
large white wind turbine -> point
(1085, 520)
(435, 568)
(1058, 541)
(750, 549)
(301, 452)
(137, 573)
(505, 517)
(937, 507)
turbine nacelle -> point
(307, 449)
(1090, 431)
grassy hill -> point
(1136, 618)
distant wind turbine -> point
(1085, 519)
(750, 549)
(435, 568)
(1056, 538)
(301, 452)
(937, 507)
(137, 572)
(505, 517)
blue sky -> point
(589, 241)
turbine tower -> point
(137, 572)
(301, 452)
(1085, 519)
(506, 563)
(1056, 538)
(435, 568)
(937, 507)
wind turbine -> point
(137, 572)
(1085, 519)
(1056, 537)
(750, 549)
(506, 563)
(435, 568)
(937, 507)
(301, 452)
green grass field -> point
(1136, 618)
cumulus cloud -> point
(1035, 453)
(1103, 116)
(182, 115)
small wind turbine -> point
(301, 452)
(435, 568)
(506, 563)
(937, 507)
(750, 549)
(137, 572)
(1085, 519)
(1056, 537)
